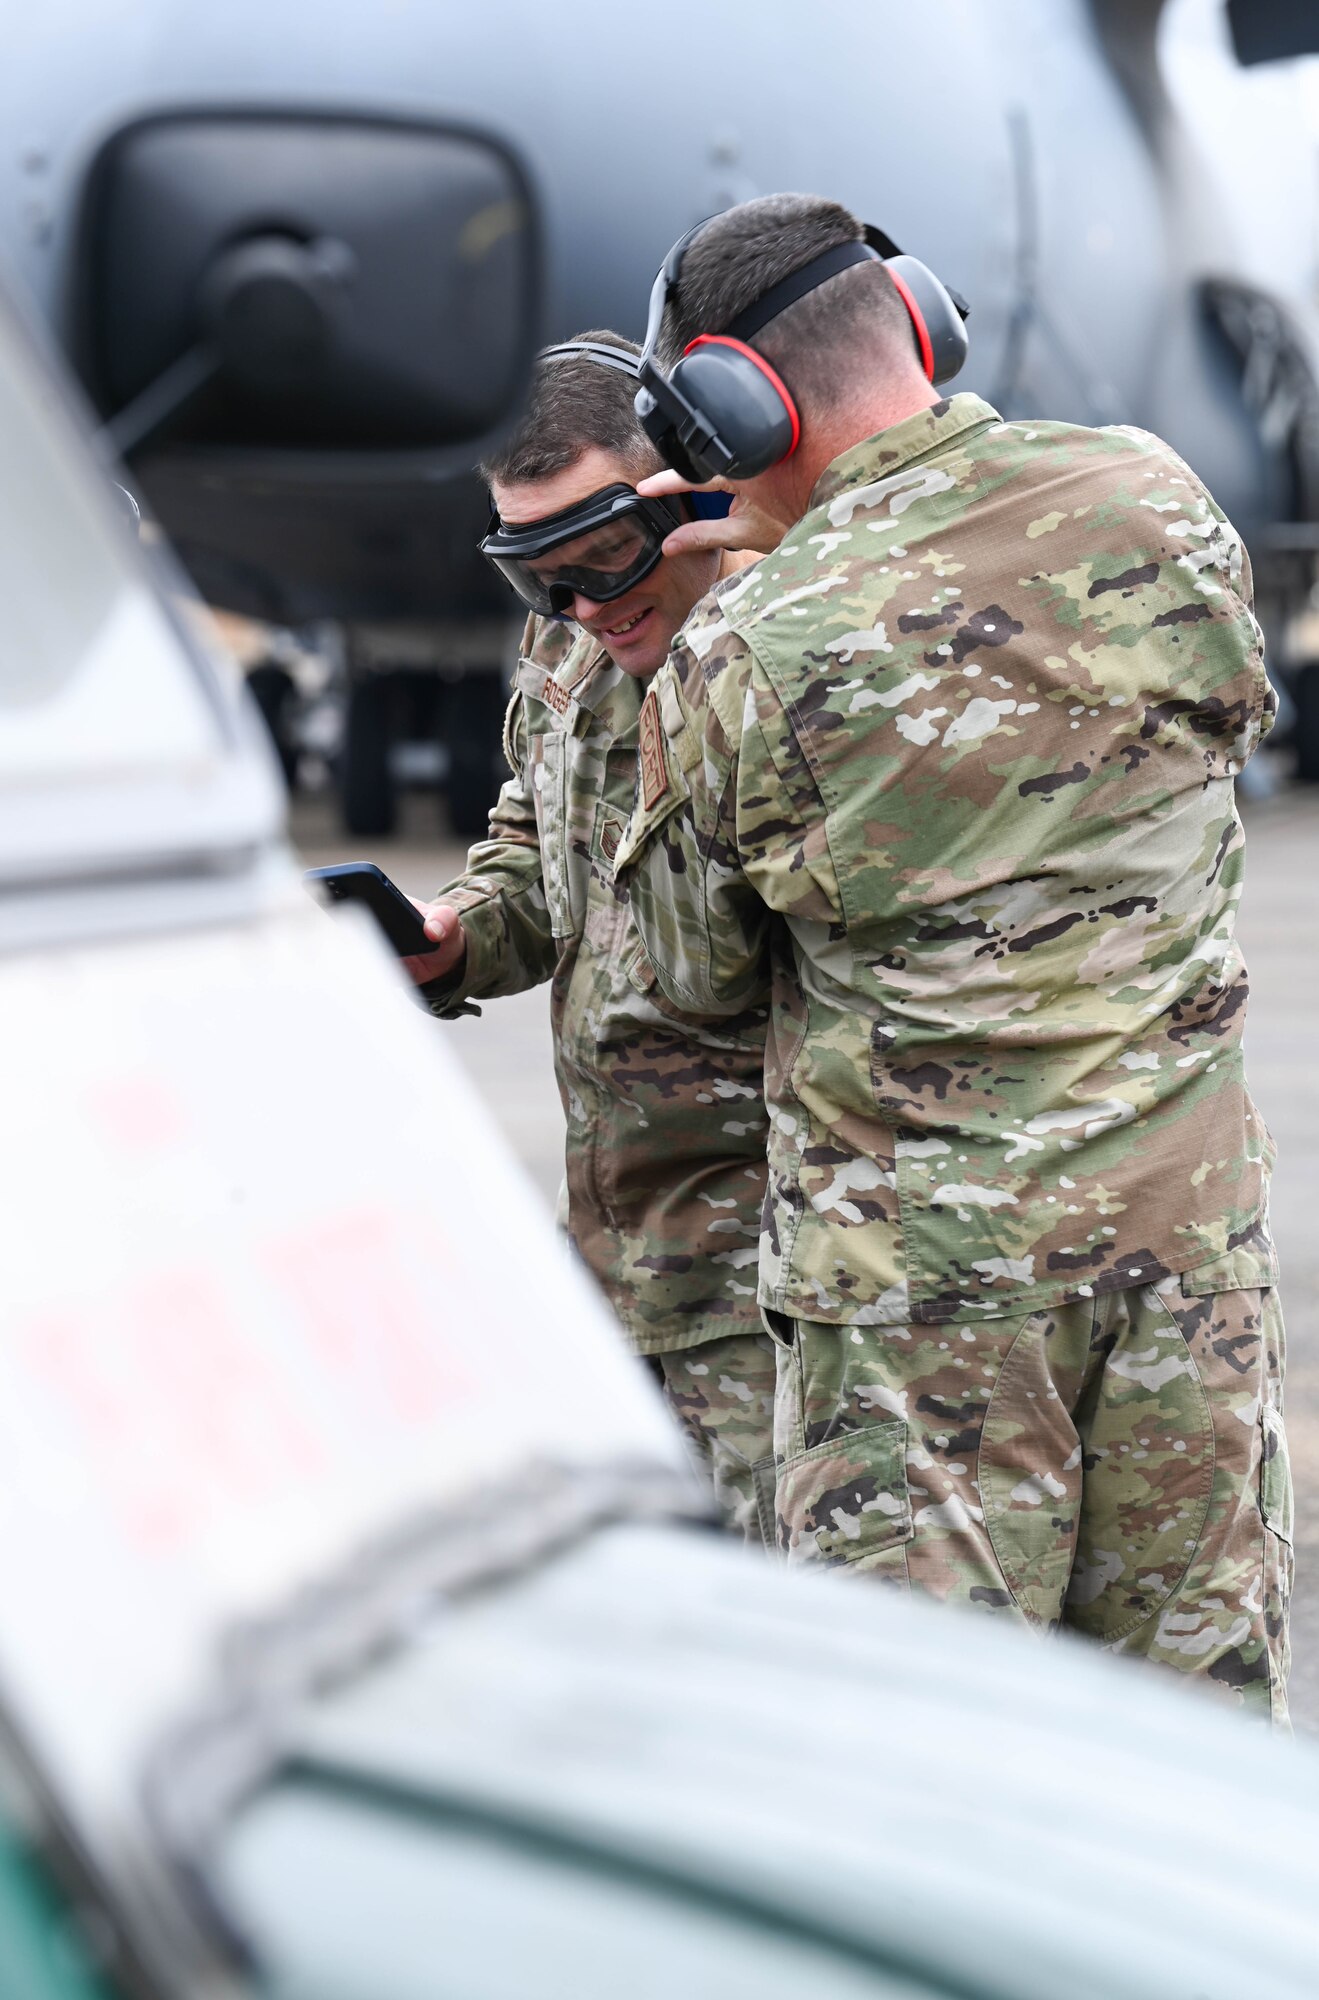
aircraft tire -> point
(368, 797)
(1305, 693)
(475, 715)
(273, 691)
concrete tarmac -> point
(507, 1052)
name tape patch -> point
(654, 768)
(555, 696)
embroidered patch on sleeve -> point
(654, 768)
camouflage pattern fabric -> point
(1115, 1465)
(664, 1106)
(949, 777)
(721, 1395)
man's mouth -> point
(628, 626)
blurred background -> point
(299, 261)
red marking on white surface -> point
(139, 1114)
(371, 1314)
(182, 1418)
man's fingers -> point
(429, 965)
(732, 531)
(657, 484)
(442, 922)
(424, 966)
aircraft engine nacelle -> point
(293, 320)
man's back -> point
(979, 717)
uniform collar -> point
(570, 655)
(588, 671)
(923, 435)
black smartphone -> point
(362, 882)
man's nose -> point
(583, 608)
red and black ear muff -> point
(937, 313)
(723, 412)
(745, 403)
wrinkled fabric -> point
(721, 1395)
(665, 1155)
(1115, 1466)
(948, 779)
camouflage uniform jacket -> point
(950, 773)
(664, 1106)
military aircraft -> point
(297, 253)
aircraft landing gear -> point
(473, 730)
(368, 793)
(1305, 694)
(406, 726)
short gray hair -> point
(740, 255)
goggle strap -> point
(598, 351)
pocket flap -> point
(1249, 1267)
(846, 1498)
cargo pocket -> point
(1275, 1475)
(642, 978)
(846, 1501)
(1275, 1496)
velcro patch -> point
(654, 768)
(555, 696)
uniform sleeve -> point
(703, 926)
(1232, 667)
(501, 894)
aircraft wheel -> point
(476, 767)
(368, 798)
(1305, 693)
(273, 691)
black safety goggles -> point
(598, 548)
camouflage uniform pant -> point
(1116, 1465)
(722, 1395)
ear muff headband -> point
(727, 433)
(797, 284)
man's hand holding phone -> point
(443, 923)
(405, 922)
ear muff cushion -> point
(940, 333)
(917, 318)
(742, 399)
